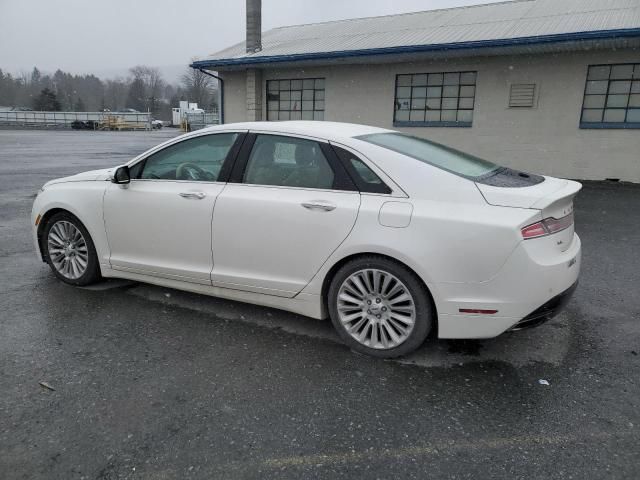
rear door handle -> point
(318, 205)
(196, 195)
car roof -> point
(320, 129)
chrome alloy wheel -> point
(376, 309)
(68, 250)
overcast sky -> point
(108, 37)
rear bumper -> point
(532, 286)
(547, 311)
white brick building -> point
(545, 86)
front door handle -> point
(318, 205)
(196, 195)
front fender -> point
(82, 199)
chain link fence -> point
(77, 120)
(197, 120)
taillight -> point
(547, 226)
(534, 230)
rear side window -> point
(440, 156)
(365, 179)
(288, 162)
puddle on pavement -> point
(548, 343)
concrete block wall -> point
(254, 95)
(235, 96)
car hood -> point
(91, 175)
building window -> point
(612, 97)
(435, 99)
(299, 99)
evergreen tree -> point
(79, 106)
(35, 76)
(144, 89)
(46, 101)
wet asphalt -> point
(151, 383)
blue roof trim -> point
(534, 40)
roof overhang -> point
(556, 43)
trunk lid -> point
(553, 197)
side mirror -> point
(121, 176)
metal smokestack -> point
(254, 26)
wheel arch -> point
(343, 261)
(43, 223)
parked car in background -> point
(392, 236)
(157, 124)
(84, 125)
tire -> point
(368, 311)
(69, 250)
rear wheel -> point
(379, 307)
(70, 251)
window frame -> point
(225, 170)
(439, 123)
(602, 125)
(314, 100)
(342, 182)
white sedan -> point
(391, 236)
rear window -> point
(434, 154)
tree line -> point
(143, 89)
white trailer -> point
(178, 114)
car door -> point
(160, 223)
(288, 206)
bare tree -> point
(115, 94)
(143, 89)
(199, 87)
(153, 83)
(137, 96)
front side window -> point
(296, 99)
(435, 99)
(440, 156)
(194, 159)
(612, 97)
(288, 162)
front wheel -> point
(379, 307)
(70, 251)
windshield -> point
(432, 153)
